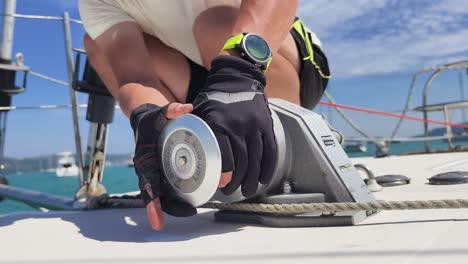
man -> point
(162, 59)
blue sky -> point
(374, 47)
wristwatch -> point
(252, 48)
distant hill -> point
(43, 163)
(441, 131)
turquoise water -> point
(123, 179)
(405, 147)
(116, 180)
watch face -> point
(257, 48)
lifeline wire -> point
(375, 112)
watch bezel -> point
(250, 56)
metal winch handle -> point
(191, 160)
(309, 159)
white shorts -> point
(170, 21)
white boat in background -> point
(355, 147)
(66, 166)
(129, 163)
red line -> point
(375, 112)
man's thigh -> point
(170, 66)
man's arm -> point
(137, 83)
(137, 87)
(270, 19)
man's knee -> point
(282, 80)
(90, 47)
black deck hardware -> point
(4, 181)
(392, 180)
(449, 178)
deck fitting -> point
(4, 181)
(449, 178)
(392, 180)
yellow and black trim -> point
(298, 26)
(315, 72)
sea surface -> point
(407, 147)
(116, 180)
(123, 179)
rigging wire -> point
(47, 78)
(343, 115)
(452, 66)
(376, 112)
(39, 17)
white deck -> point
(121, 236)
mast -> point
(7, 77)
(8, 27)
(8, 71)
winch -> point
(312, 167)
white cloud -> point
(452, 6)
(321, 15)
(385, 36)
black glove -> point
(147, 122)
(234, 105)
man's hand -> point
(147, 121)
(234, 105)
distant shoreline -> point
(47, 162)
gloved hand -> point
(147, 122)
(234, 105)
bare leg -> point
(170, 67)
(101, 66)
(211, 30)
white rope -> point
(331, 208)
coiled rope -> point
(299, 208)
(331, 208)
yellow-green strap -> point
(233, 41)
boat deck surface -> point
(124, 236)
